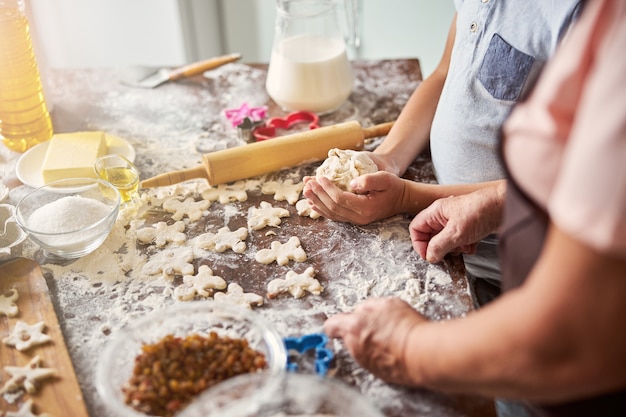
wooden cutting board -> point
(60, 395)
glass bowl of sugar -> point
(69, 218)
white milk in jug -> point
(309, 73)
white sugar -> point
(67, 214)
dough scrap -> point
(282, 253)
(265, 215)
(304, 209)
(26, 411)
(235, 295)
(223, 239)
(226, 193)
(8, 307)
(295, 284)
(26, 377)
(169, 262)
(161, 234)
(24, 336)
(342, 166)
(189, 207)
(202, 284)
(283, 190)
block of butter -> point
(71, 155)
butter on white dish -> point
(71, 155)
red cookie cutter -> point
(268, 131)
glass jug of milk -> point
(309, 67)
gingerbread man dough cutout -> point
(161, 234)
(8, 307)
(26, 376)
(282, 191)
(235, 295)
(265, 215)
(304, 209)
(282, 253)
(223, 239)
(226, 193)
(295, 284)
(189, 207)
(170, 262)
(202, 284)
(24, 336)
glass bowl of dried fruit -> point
(159, 363)
(285, 395)
(69, 218)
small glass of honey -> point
(121, 173)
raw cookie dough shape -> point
(170, 262)
(342, 166)
(235, 295)
(226, 193)
(189, 207)
(161, 234)
(304, 209)
(24, 336)
(8, 307)
(26, 376)
(223, 239)
(265, 215)
(26, 411)
(202, 284)
(285, 190)
(282, 253)
(295, 284)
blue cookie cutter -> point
(316, 341)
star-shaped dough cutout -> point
(285, 190)
(235, 295)
(203, 284)
(223, 239)
(295, 284)
(8, 307)
(265, 215)
(26, 377)
(24, 336)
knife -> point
(163, 75)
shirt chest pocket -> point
(504, 70)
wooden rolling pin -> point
(271, 155)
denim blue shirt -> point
(499, 51)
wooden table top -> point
(169, 128)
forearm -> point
(551, 340)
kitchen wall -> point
(100, 33)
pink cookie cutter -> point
(268, 131)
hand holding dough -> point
(342, 166)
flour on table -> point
(24, 336)
(26, 377)
(201, 284)
(8, 307)
(223, 239)
(265, 215)
(171, 262)
(188, 207)
(26, 410)
(282, 253)
(226, 193)
(235, 295)
(295, 284)
(342, 166)
(161, 234)
(304, 209)
(283, 190)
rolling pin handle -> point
(377, 131)
(175, 177)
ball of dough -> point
(342, 166)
